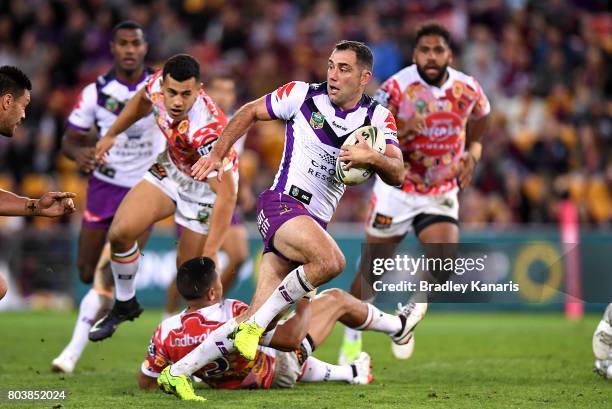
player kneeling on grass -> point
(602, 345)
(293, 340)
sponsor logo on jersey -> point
(344, 128)
(188, 340)
(382, 221)
(183, 126)
(158, 171)
(263, 224)
(301, 195)
(317, 120)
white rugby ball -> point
(359, 174)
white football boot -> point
(363, 367)
(64, 363)
(602, 337)
(403, 342)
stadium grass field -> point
(462, 360)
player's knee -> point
(336, 263)
(119, 238)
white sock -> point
(88, 310)
(213, 347)
(125, 267)
(381, 321)
(316, 370)
(291, 289)
(351, 334)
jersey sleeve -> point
(152, 84)
(238, 307)
(83, 115)
(157, 358)
(482, 107)
(284, 102)
(389, 94)
(385, 122)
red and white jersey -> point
(178, 335)
(432, 157)
(136, 149)
(194, 135)
(315, 132)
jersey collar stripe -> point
(269, 106)
(284, 174)
(343, 114)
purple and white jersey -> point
(316, 129)
(136, 149)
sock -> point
(381, 321)
(88, 310)
(213, 347)
(291, 289)
(351, 334)
(318, 371)
(125, 266)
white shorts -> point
(394, 212)
(194, 199)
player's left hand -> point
(103, 146)
(53, 204)
(358, 154)
(206, 164)
(467, 165)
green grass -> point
(462, 360)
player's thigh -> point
(439, 232)
(91, 243)
(303, 240)
(190, 245)
(235, 244)
(144, 205)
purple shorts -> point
(273, 210)
(103, 200)
(236, 217)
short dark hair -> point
(362, 51)
(182, 67)
(194, 277)
(125, 25)
(13, 81)
(436, 29)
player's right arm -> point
(138, 107)
(51, 204)
(389, 95)
(154, 363)
(81, 120)
(282, 103)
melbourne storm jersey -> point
(176, 336)
(315, 131)
(135, 150)
(432, 157)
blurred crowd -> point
(545, 66)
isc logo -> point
(205, 149)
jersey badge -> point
(317, 120)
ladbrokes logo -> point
(442, 125)
(187, 340)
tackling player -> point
(441, 115)
(299, 255)
(15, 89)
(191, 123)
(298, 336)
(136, 150)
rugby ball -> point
(359, 174)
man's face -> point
(432, 56)
(179, 96)
(129, 49)
(12, 112)
(346, 78)
(223, 92)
